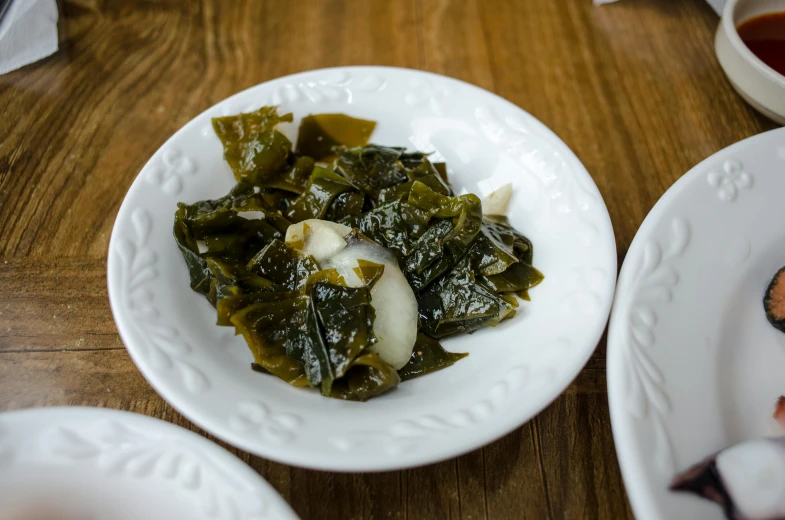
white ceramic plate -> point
(513, 371)
(693, 365)
(99, 464)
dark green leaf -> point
(372, 168)
(319, 133)
(346, 205)
(232, 279)
(228, 305)
(338, 326)
(384, 225)
(252, 146)
(368, 376)
(442, 169)
(282, 265)
(517, 277)
(465, 210)
(458, 302)
(260, 325)
(324, 186)
(368, 272)
(293, 179)
(186, 242)
(447, 240)
(428, 356)
(346, 317)
(504, 236)
(307, 344)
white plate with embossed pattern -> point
(693, 365)
(98, 464)
(512, 372)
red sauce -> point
(764, 35)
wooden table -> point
(633, 88)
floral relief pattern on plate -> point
(405, 435)
(564, 193)
(438, 98)
(170, 170)
(730, 180)
(100, 463)
(255, 417)
(334, 86)
(165, 349)
(691, 375)
(118, 449)
(652, 285)
(586, 299)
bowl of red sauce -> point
(750, 45)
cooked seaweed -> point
(319, 134)
(323, 186)
(305, 324)
(252, 145)
(428, 356)
(321, 343)
(372, 168)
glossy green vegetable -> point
(303, 323)
(344, 206)
(187, 244)
(428, 356)
(260, 325)
(386, 226)
(320, 133)
(283, 266)
(367, 377)
(252, 146)
(293, 179)
(460, 302)
(322, 343)
(230, 304)
(323, 187)
(372, 168)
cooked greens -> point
(307, 311)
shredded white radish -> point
(498, 201)
(251, 215)
(319, 238)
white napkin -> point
(28, 33)
(717, 5)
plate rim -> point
(284, 456)
(60, 416)
(644, 505)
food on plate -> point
(779, 411)
(343, 263)
(747, 479)
(774, 300)
(497, 202)
(356, 260)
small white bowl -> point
(759, 85)
(513, 371)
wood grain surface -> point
(633, 88)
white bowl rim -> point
(205, 449)
(202, 420)
(634, 473)
(729, 26)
